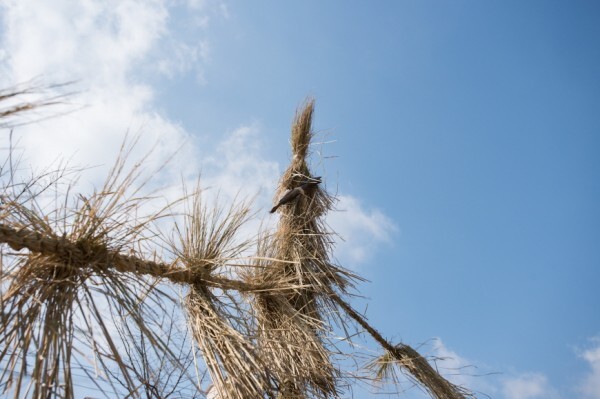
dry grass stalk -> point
(20, 103)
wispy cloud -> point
(528, 386)
(111, 49)
(463, 371)
(517, 385)
(360, 228)
(239, 166)
(590, 386)
(536, 385)
(487, 382)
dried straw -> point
(54, 298)
(290, 325)
(206, 238)
(81, 280)
(20, 104)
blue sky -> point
(465, 140)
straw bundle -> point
(206, 240)
(291, 326)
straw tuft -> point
(206, 244)
(291, 324)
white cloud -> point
(108, 48)
(452, 365)
(183, 58)
(98, 42)
(590, 386)
(462, 371)
(470, 374)
(113, 49)
(238, 170)
(239, 167)
(528, 386)
(485, 383)
(513, 385)
(361, 230)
